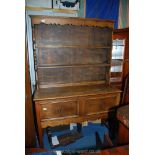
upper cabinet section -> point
(71, 51)
(72, 36)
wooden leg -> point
(40, 130)
(113, 124)
(79, 126)
(40, 137)
(123, 135)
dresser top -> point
(72, 21)
(72, 91)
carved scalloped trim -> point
(72, 21)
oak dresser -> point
(72, 63)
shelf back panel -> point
(71, 56)
(67, 35)
(70, 75)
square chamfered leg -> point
(40, 130)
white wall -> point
(39, 3)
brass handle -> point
(44, 109)
(59, 110)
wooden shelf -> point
(71, 46)
(53, 93)
(116, 62)
(78, 65)
(52, 85)
(117, 79)
(116, 74)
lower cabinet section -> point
(53, 112)
(99, 104)
(59, 109)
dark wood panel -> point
(70, 75)
(98, 104)
(54, 75)
(57, 110)
(71, 56)
(88, 74)
(72, 35)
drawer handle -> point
(59, 110)
(44, 109)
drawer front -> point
(99, 104)
(58, 110)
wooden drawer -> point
(52, 110)
(99, 104)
